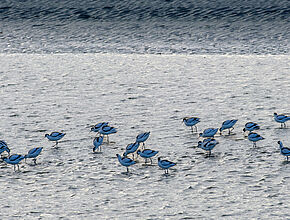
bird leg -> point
(34, 160)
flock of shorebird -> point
(138, 147)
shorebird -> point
(97, 127)
(207, 144)
(209, 132)
(106, 130)
(165, 164)
(147, 153)
(141, 138)
(251, 126)
(97, 143)
(281, 119)
(4, 147)
(284, 150)
(55, 136)
(191, 121)
(254, 137)
(14, 160)
(131, 148)
(33, 153)
(228, 124)
(125, 161)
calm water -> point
(41, 93)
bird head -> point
(199, 144)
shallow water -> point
(135, 93)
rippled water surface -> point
(135, 93)
(145, 27)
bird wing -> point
(3, 143)
(281, 117)
(254, 135)
(285, 150)
(147, 151)
(14, 157)
(141, 135)
(55, 134)
(166, 162)
(126, 160)
(227, 122)
(32, 151)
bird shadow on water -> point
(285, 162)
(282, 128)
(125, 174)
(166, 176)
(97, 152)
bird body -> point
(3, 143)
(209, 132)
(207, 144)
(14, 160)
(131, 148)
(254, 137)
(191, 121)
(281, 119)
(98, 141)
(125, 161)
(165, 164)
(33, 153)
(141, 138)
(147, 153)
(4, 147)
(55, 136)
(97, 127)
(284, 150)
(228, 124)
(106, 130)
(251, 126)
